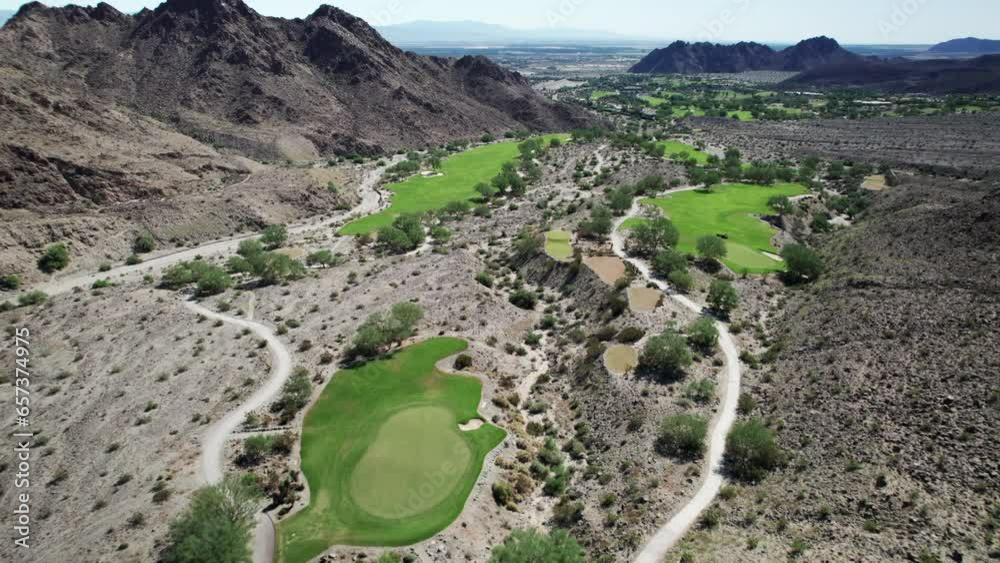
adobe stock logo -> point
(902, 13)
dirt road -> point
(671, 532)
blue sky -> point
(850, 21)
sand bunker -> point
(644, 299)
(474, 424)
(609, 268)
(621, 359)
(875, 183)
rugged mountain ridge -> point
(967, 45)
(969, 76)
(256, 84)
(694, 58)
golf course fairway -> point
(385, 459)
(673, 148)
(728, 210)
(460, 174)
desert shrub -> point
(32, 298)
(682, 280)
(133, 260)
(650, 237)
(324, 258)
(216, 526)
(503, 493)
(463, 361)
(255, 449)
(722, 297)
(682, 436)
(630, 335)
(666, 354)
(485, 279)
(599, 225)
(751, 451)
(746, 404)
(703, 334)
(701, 391)
(274, 237)
(669, 261)
(294, 395)
(803, 263)
(712, 247)
(523, 299)
(10, 283)
(55, 258)
(143, 244)
(213, 282)
(532, 546)
(385, 328)
(566, 512)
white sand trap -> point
(474, 424)
(772, 256)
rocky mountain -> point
(693, 58)
(267, 87)
(968, 45)
(980, 75)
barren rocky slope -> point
(692, 58)
(955, 145)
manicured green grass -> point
(598, 94)
(384, 456)
(727, 210)
(558, 245)
(689, 111)
(742, 115)
(677, 147)
(461, 173)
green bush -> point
(668, 261)
(701, 391)
(722, 297)
(803, 263)
(630, 335)
(386, 328)
(32, 298)
(143, 244)
(751, 451)
(703, 334)
(216, 525)
(523, 299)
(682, 436)
(463, 361)
(10, 283)
(681, 280)
(274, 237)
(55, 258)
(294, 395)
(712, 247)
(532, 546)
(666, 354)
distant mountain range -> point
(694, 58)
(443, 32)
(947, 76)
(968, 45)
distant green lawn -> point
(558, 245)
(688, 111)
(677, 147)
(598, 94)
(729, 210)
(742, 115)
(461, 173)
(383, 454)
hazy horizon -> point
(780, 21)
